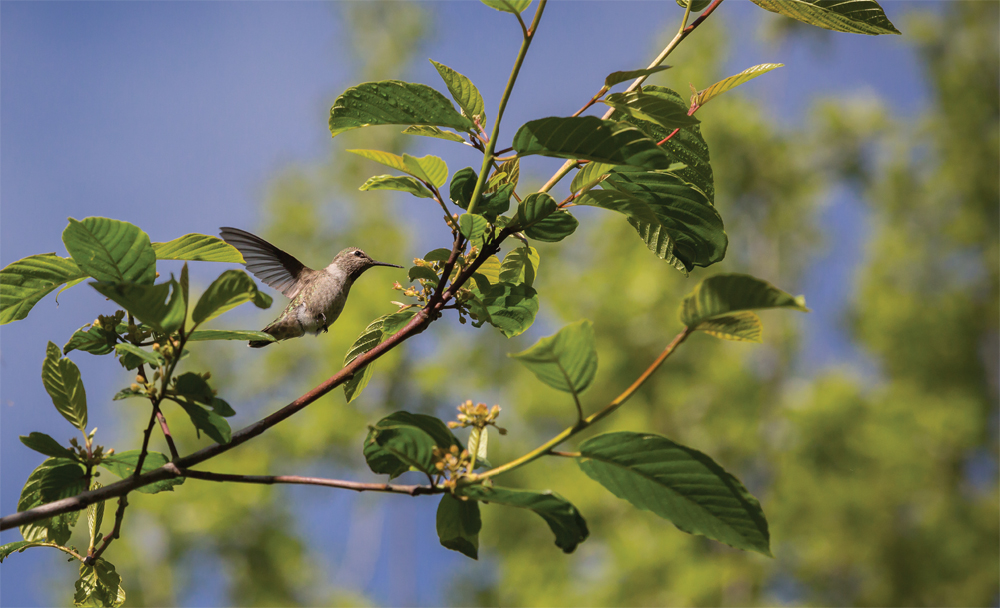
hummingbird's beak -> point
(385, 264)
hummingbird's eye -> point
(359, 254)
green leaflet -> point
(854, 17)
(229, 334)
(391, 102)
(111, 250)
(54, 479)
(520, 266)
(589, 138)
(679, 484)
(435, 132)
(566, 361)
(463, 92)
(553, 227)
(430, 169)
(232, 288)
(42, 443)
(696, 5)
(727, 293)
(385, 447)
(162, 306)
(653, 106)
(199, 248)
(562, 517)
(726, 84)
(99, 585)
(91, 339)
(619, 77)
(123, 465)
(373, 335)
(508, 6)
(396, 182)
(25, 282)
(739, 326)
(17, 547)
(132, 356)
(458, 525)
(62, 381)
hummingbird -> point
(318, 296)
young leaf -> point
(199, 248)
(727, 293)
(426, 131)
(515, 7)
(512, 308)
(732, 82)
(619, 77)
(111, 250)
(463, 183)
(533, 209)
(561, 516)
(512, 169)
(739, 326)
(473, 227)
(566, 361)
(590, 175)
(553, 228)
(438, 255)
(373, 335)
(429, 168)
(232, 288)
(214, 425)
(696, 5)
(54, 479)
(132, 356)
(17, 547)
(679, 484)
(99, 585)
(40, 442)
(194, 387)
(589, 138)
(391, 102)
(520, 266)
(458, 525)
(422, 273)
(382, 460)
(123, 465)
(463, 92)
(62, 381)
(855, 17)
(159, 306)
(396, 182)
(95, 517)
(25, 282)
(652, 106)
(229, 334)
(91, 339)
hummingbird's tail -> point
(262, 343)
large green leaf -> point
(99, 585)
(619, 77)
(520, 266)
(679, 484)
(512, 308)
(111, 250)
(123, 465)
(533, 209)
(401, 183)
(463, 92)
(508, 6)
(54, 479)
(852, 16)
(62, 381)
(229, 334)
(474, 227)
(199, 248)
(553, 227)
(391, 102)
(687, 146)
(562, 517)
(232, 288)
(159, 306)
(739, 326)
(44, 444)
(435, 132)
(92, 339)
(24, 282)
(385, 462)
(728, 293)
(18, 547)
(589, 138)
(132, 356)
(734, 81)
(590, 175)
(373, 335)
(430, 169)
(211, 422)
(653, 106)
(566, 361)
(458, 525)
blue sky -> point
(175, 116)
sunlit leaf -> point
(652, 106)
(696, 5)
(99, 585)
(512, 308)
(722, 294)
(111, 250)
(199, 248)
(18, 547)
(566, 361)
(391, 102)
(429, 168)
(508, 6)
(397, 182)
(739, 326)
(54, 479)
(732, 82)
(435, 132)
(553, 228)
(619, 77)
(463, 92)
(62, 381)
(159, 306)
(473, 227)
(92, 339)
(852, 16)
(24, 282)
(229, 334)
(589, 138)
(42, 443)
(232, 288)
(520, 266)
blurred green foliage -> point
(869, 483)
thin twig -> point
(414, 490)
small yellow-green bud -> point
(156, 346)
(207, 375)
(134, 387)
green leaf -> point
(654, 107)
(198, 248)
(18, 547)
(433, 132)
(395, 182)
(696, 5)
(511, 169)
(566, 361)
(391, 102)
(687, 146)
(54, 479)
(194, 387)
(42, 443)
(92, 339)
(687, 227)
(159, 306)
(123, 465)
(732, 82)
(727, 293)
(473, 227)
(385, 462)
(229, 334)
(213, 424)
(562, 517)
(553, 228)
(99, 585)
(438, 255)
(128, 393)
(589, 138)
(490, 205)
(854, 17)
(590, 175)
(458, 525)
(25, 282)
(533, 209)
(62, 381)
(95, 517)
(430, 169)
(465, 94)
(222, 408)
(739, 326)
(620, 77)
(110, 250)
(373, 335)
(463, 184)
(232, 288)
(512, 308)
(478, 444)
(422, 272)
(679, 484)
(515, 7)
(132, 356)
(520, 266)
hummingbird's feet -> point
(323, 324)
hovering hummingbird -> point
(318, 296)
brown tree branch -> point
(413, 490)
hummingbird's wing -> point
(268, 263)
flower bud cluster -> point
(109, 323)
(451, 464)
(86, 454)
(478, 415)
